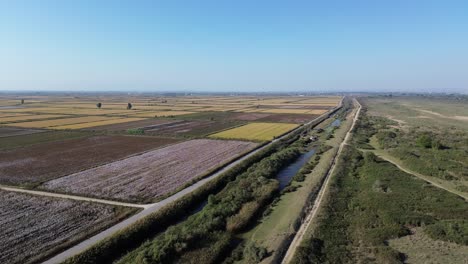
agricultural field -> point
(190, 128)
(19, 118)
(256, 131)
(60, 122)
(145, 123)
(37, 163)
(11, 131)
(34, 227)
(153, 174)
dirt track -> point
(318, 201)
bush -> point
(135, 131)
(254, 254)
(424, 141)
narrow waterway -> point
(285, 175)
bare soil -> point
(192, 127)
(153, 174)
(42, 162)
(12, 131)
(129, 125)
(36, 226)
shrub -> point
(135, 131)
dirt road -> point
(318, 201)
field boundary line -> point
(299, 236)
(72, 197)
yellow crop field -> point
(20, 118)
(98, 123)
(256, 131)
(317, 111)
(162, 114)
(60, 122)
(285, 111)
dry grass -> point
(256, 131)
(420, 248)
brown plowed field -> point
(47, 161)
(13, 131)
(152, 174)
(129, 125)
(288, 118)
(34, 226)
(193, 127)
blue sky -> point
(238, 45)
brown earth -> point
(12, 131)
(192, 127)
(34, 226)
(152, 174)
(129, 125)
(38, 163)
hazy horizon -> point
(241, 46)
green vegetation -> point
(454, 231)
(371, 201)
(136, 131)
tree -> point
(99, 105)
(129, 106)
(22, 101)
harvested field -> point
(12, 131)
(270, 117)
(20, 118)
(193, 128)
(132, 124)
(38, 163)
(256, 131)
(34, 227)
(36, 138)
(152, 174)
(98, 123)
(288, 118)
(60, 122)
(162, 114)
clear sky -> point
(238, 45)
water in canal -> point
(285, 175)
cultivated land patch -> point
(60, 122)
(38, 163)
(152, 174)
(12, 131)
(98, 123)
(35, 226)
(194, 127)
(20, 118)
(149, 122)
(256, 131)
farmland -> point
(37, 163)
(34, 226)
(152, 174)
(140, 151)
(256, 131)
(11, 131)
